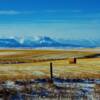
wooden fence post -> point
(51, 72)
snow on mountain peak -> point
(44, 41)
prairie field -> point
(28, 64)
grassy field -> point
(26, 64)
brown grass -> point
(85, 68)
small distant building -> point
(72, 60)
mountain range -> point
(47, 42)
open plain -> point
(29, 64)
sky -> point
(54, 18)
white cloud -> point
(62, 11)
(9, 12)
(14, 12)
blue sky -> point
(54, 18)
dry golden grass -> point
(85, 68)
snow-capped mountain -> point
(43, 42)
(9, 43)
(82, 42)
(46, 42)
